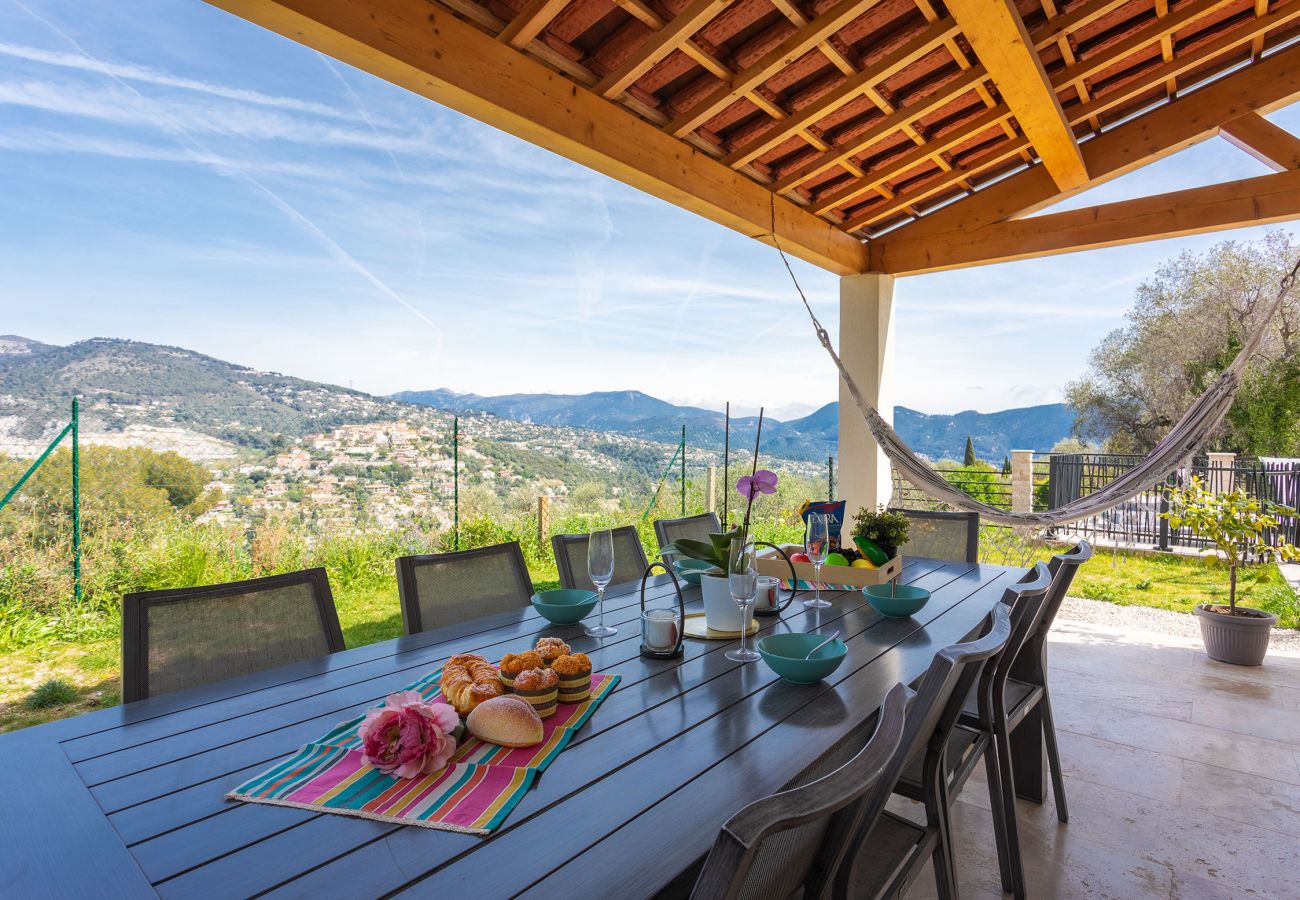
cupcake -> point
(574, 672)
(551, 649)
(514, 663)
(541, 688)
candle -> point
(659, 629)
(766, 598)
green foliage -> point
(980, 481)
(886, 528)
(970, 458)
(1233, 521)
(54, 692)
(1187, 321)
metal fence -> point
(1060, 478)
(1137, 521)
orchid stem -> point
(749, 504)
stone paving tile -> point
(1182, 774)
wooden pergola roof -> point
(868, 135)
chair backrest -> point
(438, 589)
(695, 528)
(571, 558)
(1027, 600)
(1030, 662)
(185, 637)
(931, 718)
(943, 535)
(796, 838)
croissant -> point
(468, 680)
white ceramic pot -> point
(720, 612)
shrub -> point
(54, 692)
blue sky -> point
(174, 174)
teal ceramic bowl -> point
(564, 606)
(899, 602)
(689, 570)
(785, 653)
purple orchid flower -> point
(761, 482)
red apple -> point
(800, 557)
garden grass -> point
(1177, 582)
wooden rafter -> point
(880, 129)
(908, 161)
(998, 36)
(431, 52)
(1237, 204)
(1078, 16)
(1269, 84)
(1153, 32)
(656, 46)
(1275, 147)
(788, 51)
(927, 40)
(528, 24)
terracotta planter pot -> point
(1240, 640)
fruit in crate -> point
(799, 558)
(871, 550)
(863, 564)
(836, 559)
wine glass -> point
(742, 579)
(600, 569)
(817, 544)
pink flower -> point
(407, 737)
(761, 482)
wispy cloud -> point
(146, 75)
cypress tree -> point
(970, 459)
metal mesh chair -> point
(696, 528)
(182, 638)
(943, 535)
(571, 558)
(794, 840)
(438, 589)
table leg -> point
(1027, 757)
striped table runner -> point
(474, 793)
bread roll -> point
(468, 680)
(506, 721)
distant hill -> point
(810, 438)
(131, 384)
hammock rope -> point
(1202, 417)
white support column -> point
(866, 347)
(1220, 475)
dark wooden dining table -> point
(130, 801)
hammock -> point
(1187, 435)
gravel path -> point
(1164, 621)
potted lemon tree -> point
(1236, 524)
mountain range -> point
(126, 385)
(811, 437)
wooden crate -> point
(771, 563)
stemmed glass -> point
(742, 579)
(817, 545)
(600, 569)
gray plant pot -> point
(1240, 640)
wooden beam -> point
(656, 46)
(968, 81)
(1236, 204)
(1275, 147)
(998, 36)
(530, 21)
(1150, 33)
(1269, 84)
(428, 50)
(1080, 14)
(929, 38)
(788, 51)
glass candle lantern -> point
(662, 634)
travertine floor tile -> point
(1138, 771)
(1201, 743)
(1243, 798)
